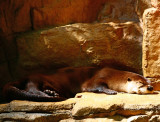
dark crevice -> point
(31, 18)
(13, 60)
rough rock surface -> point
(65, 12)
(122, 104)
(151, 48)
(19, 16)
(23, 15)
(100, 107)
(151, 45)
(123, 11)
(83, 45)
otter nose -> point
(150, 88)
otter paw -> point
(51, 93)
(112, 92)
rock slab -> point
(151, 45)
(90, 107)
(80, 44)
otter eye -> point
(129, 79)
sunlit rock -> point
(83, 45)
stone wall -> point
(151, 43)
(24, 15)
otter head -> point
(139, 85)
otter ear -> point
(129, 79)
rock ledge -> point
(90, 107)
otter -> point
(66, 82)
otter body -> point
(66, 82)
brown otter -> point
(66, 82)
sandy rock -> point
(151, 43)
(34, 117)
(140, 118)
(97, 107)
(116, 118)
(122, 104)
(36, 111)
(151, 46)
(28, 106)
(23, 116)
(155, 118)
(83, 45)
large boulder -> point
(82, 45)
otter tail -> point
(12, 92)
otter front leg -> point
(97, 88)
(100, 89)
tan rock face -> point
(83, 45)
(155, 118)
(139, 118)
(108, 119)
(151, 62)
(101, 107)
(151, 46)
(34, 111)
(122, 104)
